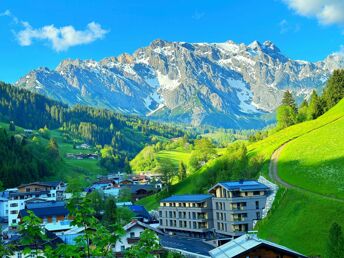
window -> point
(257, 205)
(160, 213)
(27, 190)
(14, 205)
(14, 212)
(258, 215)
(54, 219)
(14, 221)
(122, 247)
(132, 234)
(19, 255)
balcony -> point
(133, 240)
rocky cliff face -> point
(221, 84)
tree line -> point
(125, 134)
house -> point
(38, 191)
(139, 191)
(250, 246)
(133, 230)
(54, 214)
(141, 214)
(229, 210)
(189, 215)
(126, 182)
(56, 188)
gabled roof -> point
(141, 224)
(242, 185)
(187, 198)
(245, 243)
(136, 187)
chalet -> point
(250, 246)
(133, 230)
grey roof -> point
(187, 198)
(243, 185)
(190, 245)
(243, 244)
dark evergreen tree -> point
(334, 90)
(288, 100)
(314, 107)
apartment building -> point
(187, 215)
(229, 209)
(236, 205)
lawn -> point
(173, 156)
(315, 161)
(301, 222)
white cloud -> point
(60, 39)
(326, 11)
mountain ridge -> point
(221, 84)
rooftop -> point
(190, 245)
(243, 185)
(245, 243)
(46, 209)
(187, 198)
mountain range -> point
(221, 84)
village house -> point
(133, 231)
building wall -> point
(186, 217)
(234, 213)
(3, 209)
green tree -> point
(5, 249)
(181, 171)
(124, 215)
(335, 242)
(96, 198)
(285, 117)
(302, 112)
(204, 150)
(53, 148)
(144, 248)
(110, 211)
(288, 100)
(168, 172)
(334, 90)
(314, 107)
(96, 240)
(32, 234)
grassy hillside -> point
(173, 156)
(313, 160)
(316, 157)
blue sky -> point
(31, 34)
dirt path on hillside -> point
(273, 174)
